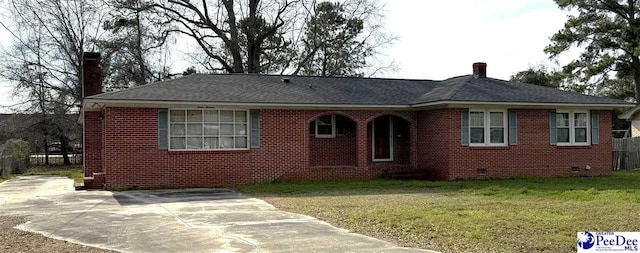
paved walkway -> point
(189, 220)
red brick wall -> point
(338, 151)
(341, 150)
(435, 129)
(132, 159)
(532, 156)
(92, 153)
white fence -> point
(55, 159)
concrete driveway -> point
(189, 220)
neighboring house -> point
(633, 116)
(226, 130)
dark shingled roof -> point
(247, 88)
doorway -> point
(382, 136)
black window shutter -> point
(553, 134)
(595, 127)
(464, 128)
(163, 133)
(255, 128)
(513, 127)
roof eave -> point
(628, 115)
(528, 104)
(97, 104)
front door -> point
(382, 136)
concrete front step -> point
(93, 183)
(79, 186)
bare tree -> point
(44, 63)
(219, 27)
(23, 64)
(276, 36)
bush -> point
(16, 148)
(14, 157)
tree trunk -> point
(143, 69)
(253, 45)
(234, 43)
(635, 65)
(46, 151)
(324, 62)
(64, 143)
(253, 52)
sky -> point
(438, 39)
(441, 39)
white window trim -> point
(572, 128)
(487, 128)
(373, 142)
(333, 127)
(203, 110)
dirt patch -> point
(14, 240)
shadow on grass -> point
(620, 180)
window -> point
(487, 127)
(496, 127)
(208, 129)
(572, 127)
(476, 127)
(563, 127)
(580, 125)
(326, 126)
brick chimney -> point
(480, 70)
(91, 74)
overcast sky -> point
(438, 39)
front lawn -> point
(514, 215)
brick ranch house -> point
(207, 130)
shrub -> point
(16, 148)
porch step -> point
(93, 183)
(79, 186)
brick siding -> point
(132, 159)
(93, 136)
(436, 128)
(339, 151)
(532, 156)
(288, 151)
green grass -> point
(72, 172)
(513, 215)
